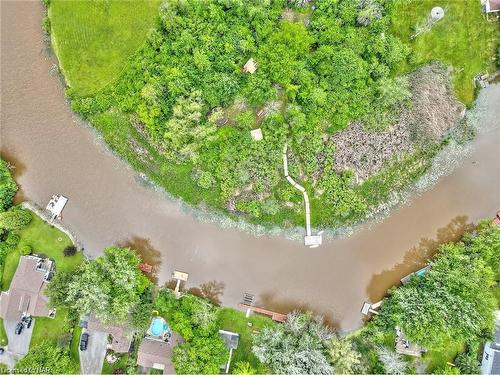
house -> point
(157, 354)
(231, 340)
(121, 333)
(250, 66)
(491, 354)
(491, 7)
(26, 294)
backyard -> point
(235, 321)
(462, 39)
(98, 37)
(44, 240)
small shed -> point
(250, 66)
(231, 339)
(256, 134)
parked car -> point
(29, 321)
(19, 328)
(2, 350)
(84, 341)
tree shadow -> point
(417, 257)
(17, 169)
(285, 305)
(212, 290)
(147, 253)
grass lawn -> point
(120, 364)
(3, 336)
(93, 39)
(463, 39)
(439, 359)
(75, 345)
(233, 320)
(48, 329)
(43, 239)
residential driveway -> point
(9, 359)
(91, 360)
(18, 344)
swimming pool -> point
(158, 327)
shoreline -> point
(37, 210)
(443, 164)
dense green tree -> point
(392, 361)
(295, 347)
(110, 285)
(243, 368)
(48, 359)
(343, 358)
(14, 219)
(8, 186)
(454, 301)
(201, 355)
(185, 99)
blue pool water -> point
(158, 327)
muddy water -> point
(56, 153)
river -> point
(54, 152)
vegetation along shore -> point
(180, 108)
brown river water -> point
(54, 152)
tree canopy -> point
(8, 186)
(295, 347)
(197, 321)
(454, 301)
(47, 358)
(190, 108)
(109, 286)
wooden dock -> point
(276, 316)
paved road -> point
(18, 344)
(91, 360)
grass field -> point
(94, 39)
(235, 321)
(463, 39)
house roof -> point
(492, 5)
(155, 354)
(495, 367)
(26, 293)
(120, 332)
(231, 339)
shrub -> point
(46, 24)
(12, 239)
(25, 249)
(70, 251)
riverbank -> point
(264, 202)
(54, 151)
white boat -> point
(56, 206)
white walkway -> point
(309, 239)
